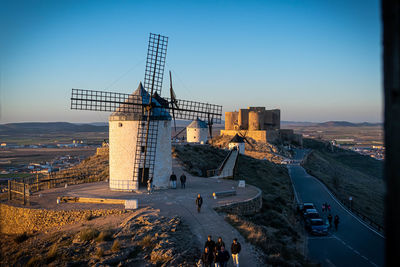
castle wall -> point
(271, 136)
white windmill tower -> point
(197, 132)
(140, 125)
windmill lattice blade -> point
(156, 54)
(109, 101)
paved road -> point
(354, 244)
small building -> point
(197, 132)
(237, 142)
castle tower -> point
(123, 134)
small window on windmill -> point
(143, 124)
(142, 149)
(120, 124)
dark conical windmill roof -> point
(139, 96)
(237, 139)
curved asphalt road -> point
(354, 244)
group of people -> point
(335, 221)
(216, 253)
(327, 208)
(173, 179)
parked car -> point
(305, 206)
(311, 214)
(317, 227)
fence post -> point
(24, 194)
(9, 189)
(37, 182)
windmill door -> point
(143, 182)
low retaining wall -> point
(16, 220)
(247, 207)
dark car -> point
(317, 227)
(311, 214)
(305, 206)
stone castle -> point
(261, 125)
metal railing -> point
(20, 189)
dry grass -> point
(116, 246)
(35, 260)
(100, 252)
(146, 242)
(88, 234)
(105, 235)
(52, 253)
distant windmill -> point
(140, 125)
(243, 135)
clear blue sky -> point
(315, 60)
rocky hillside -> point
(258, 150)
(140, 238)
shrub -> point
(21, 238)
(100, 252)
(146, 242)
(105, 235)
(88, 234)
(51, 255)
(116, 246)
(35, 260)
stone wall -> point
(16, 220)
(247, 207)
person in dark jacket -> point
(223, 257)
(330, 220)
(199, 202)
(183, 180)
(235, 250)
(210, 244)
(219, 243)
(336, 222)
(207, 257)
(172, 178)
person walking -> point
(199, 202)
(217, 257)
(219, 243)
(336, 222)
(172, 178)
(330, 220)
(235, 250)
(183, 180)
(323, 207)
(223, 257)
(207, 257)
(329, 207)
(210, 243)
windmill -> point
(239, 133)
(140, 125)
